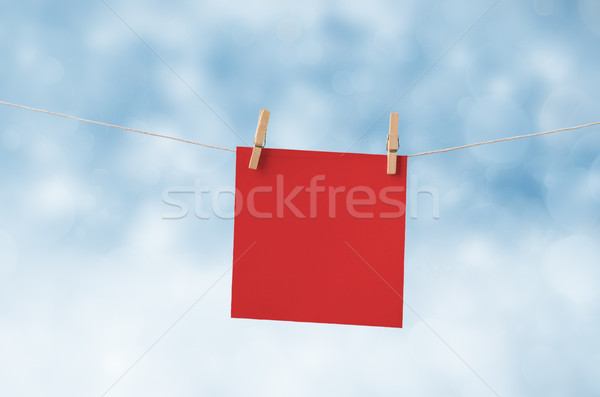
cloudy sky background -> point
(91, 274)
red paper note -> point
(319, 237)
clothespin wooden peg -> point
(259, 139)
(392, 144)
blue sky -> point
(92, 274)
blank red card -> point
(319, 237)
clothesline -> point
(231, 150)
(113, 126)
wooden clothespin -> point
(392, 144)
(259, 138)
